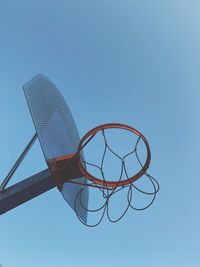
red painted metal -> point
(70, 167)
(113, 184)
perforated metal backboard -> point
(56, 130)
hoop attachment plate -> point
(64, 169)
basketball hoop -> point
(110, 160)
(70, 167)
(104, 183)
(109, 188)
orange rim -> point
(112, 184)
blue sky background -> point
(135, 62)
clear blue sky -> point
(128, 61)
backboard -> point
(56, 130)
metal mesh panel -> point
(55, 128)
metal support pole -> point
(18, 162)
(26, 190)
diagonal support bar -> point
(18, 162)
(26, 190)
